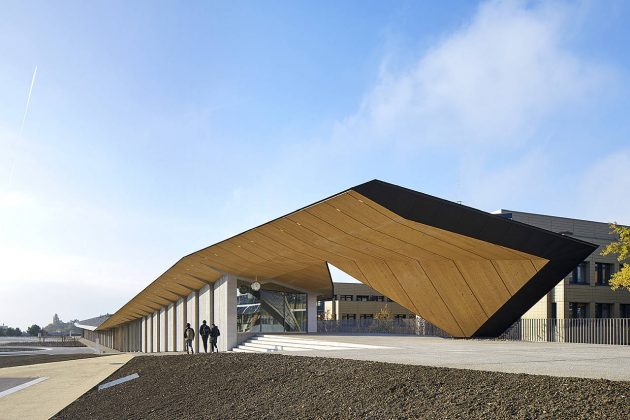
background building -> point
(584, 293)
(358, 301)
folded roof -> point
(468, 272)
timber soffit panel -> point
(466, 271)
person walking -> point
(204, 332)
(214, 335)
(189, 336)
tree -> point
(34, 330)
(384, 313)
(620, 247)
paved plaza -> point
(64, 383)
(555, 359)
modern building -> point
(585, 292)
(359, 301)
(466, 271)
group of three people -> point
(204, 331)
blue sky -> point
(157, 128)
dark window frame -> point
(603, 272)
(574, 278)
(599, 310)
(576, 307)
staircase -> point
(267, 343)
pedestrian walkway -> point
(554, 359)
(66, 381)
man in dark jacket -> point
(214, 334)
(205, 331)
(189, 336)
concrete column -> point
(225, 311)
(150, 333)
(156, 331)
(163, 328)
(192, 316)
(205, 309)
(170, 335)
(143, 335)
(311, 312)
(205, 304)
(180, 310)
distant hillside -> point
(58, 326)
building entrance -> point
(273, 308)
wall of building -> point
(337, 308)
(566, 292)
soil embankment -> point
(271, 386)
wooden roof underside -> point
(454, 281)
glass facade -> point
(602, 273)
(268, 310)
(578, 310)
(603, 310)
(580, 274)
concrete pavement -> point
(554, 359)
(66, 382)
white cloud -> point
(16, 200)
(496, 78)
(486, 182)
(603, 193)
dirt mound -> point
(268, 386)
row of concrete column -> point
(163, 330)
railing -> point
(46, 340)
(614, 331)
(380, 326)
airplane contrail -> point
(28, 102)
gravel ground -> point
(23, 360)
(271, 386)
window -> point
(346, 297)
(367, 316)
(349, 316)
(554, 310)
(624, 310)
(603, 310)
(578, 310)
(377, 298)
(335, 297)
(363, 298)
(400, 316)
(602, 273)
(580, 274)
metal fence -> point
(412, 326)
(45, 340)
(614, 331)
